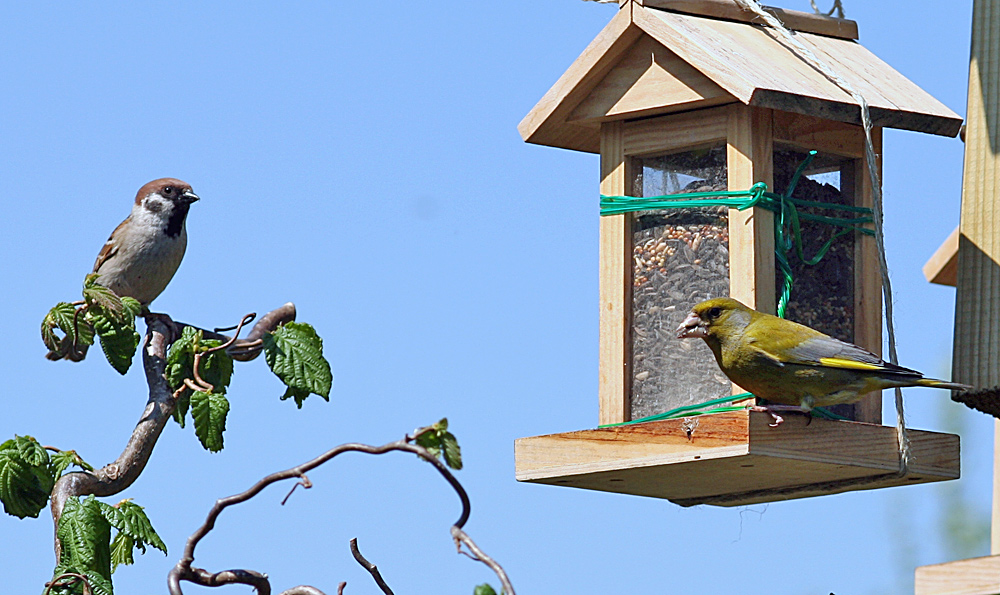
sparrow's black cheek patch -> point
(154, 206)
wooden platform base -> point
(976, 576)
(734, 459)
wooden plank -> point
(755, 67)
(649, 79)
(976, 359)
(793, 19)
(942, 267)
(811, 133)
(546, 124)
(867, 279)
(749, 159)
(976, 576)
(732, 459)
(615, 351)
(677, 132)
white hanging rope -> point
(871, 159)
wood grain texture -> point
(615, 351)
(867, 279)
(942, 266)
(749, 159)
(733, 459)
(975, 576)
(808, 133)
(976, 358)
(648, 80)
(676, 132)
(793, 19)
(755, 67)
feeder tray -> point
(975, 576)
(734, 458)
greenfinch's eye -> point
(714, 312)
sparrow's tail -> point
(934, 383)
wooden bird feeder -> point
(682, 96)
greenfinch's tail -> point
(934, 383)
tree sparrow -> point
(144, 251)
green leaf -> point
(134, 531)
(209, 411)
(217, 367)
(119, 339)
(77, 332)
(25, 477)
(452, 451)
(122, 547)
(294, 393)
(180, 360)
(294, 352)
(439, 441)
(104, 299)
(60, 461)
(484, 589)
(31, 451)
(85, 536)
(181, 408)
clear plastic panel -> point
(680, 257)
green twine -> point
(787, 221)
(787, 235)
(718, 405)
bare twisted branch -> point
(184, 571)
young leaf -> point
(439, 441)
(452, 452)
(85, 535)
(209, 411)
(180, 358)
(119, 339)
(122, 547)
(103, 298)
(60, 461)
(217, 367)
(294, 352)
(134, 531)
(73, 585)
(24, 485)
(181, 408)
(484, 589)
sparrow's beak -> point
(693, 327)
(189, 197)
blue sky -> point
(362, 160)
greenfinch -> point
(789, 363)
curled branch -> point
(118, 475)
(184, 571)
(244, 350)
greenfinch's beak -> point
(693, 327)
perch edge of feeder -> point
(734, 458)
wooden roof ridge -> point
(748, 61)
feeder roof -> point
(650, 61)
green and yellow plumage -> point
(789, 363)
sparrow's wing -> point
(110, 247)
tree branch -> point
(184, 571)
(115, 477)
(371, 568)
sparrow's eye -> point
(168, 190)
